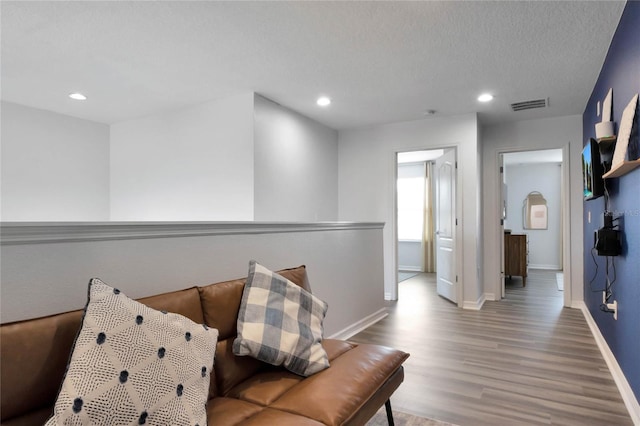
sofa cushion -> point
(33, 358)
(266, 387)
(280, 323)
(134, 364)
(230, 369)
(361, 378)
(230, 411)
(184, 302)
(341, 391)
(279, 418)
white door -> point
(445, 171)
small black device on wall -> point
(608, 240)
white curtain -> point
(428, 236)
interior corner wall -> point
(54, 167)
(545, 245)
(195, 164)
(296, 166)
(528, 135)
(620, 72)
(480, 257)
(366, 184)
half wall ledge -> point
(14, 233)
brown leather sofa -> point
(360, 379)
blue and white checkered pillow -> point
(280, 323)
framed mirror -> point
(534, 211)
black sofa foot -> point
(387, 406)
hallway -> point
(525, 360)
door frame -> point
(502, 214)
(458, 212)
(566, 221)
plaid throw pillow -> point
(280, 323)
(135, 365)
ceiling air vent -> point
(538, 103)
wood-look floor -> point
(524, 360)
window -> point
(411, 192)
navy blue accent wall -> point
(621, 72)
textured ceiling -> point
(380, 62)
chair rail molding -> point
(13, 233)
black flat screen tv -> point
(592, 171)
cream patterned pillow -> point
(133, 365)
(280, 323)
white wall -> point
(480, 203)
(410, 256)
(529, 135)
(192, 164)
(545, 245)
(232, 159)
(54, 167)
(296, 166)
(344, 263)
(366, 177)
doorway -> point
(532, 244)
(425, 217)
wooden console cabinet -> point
(515, 256)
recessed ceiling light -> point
(485, 97)
(323, 101)
(78, 96)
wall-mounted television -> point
(592, 171)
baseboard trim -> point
(626, 392)
(490, 296)
(578, 304)
(475, 306)
(358, 326)
(407, 268)
(543, 266)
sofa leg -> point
(387, 406)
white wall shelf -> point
(622, 169)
